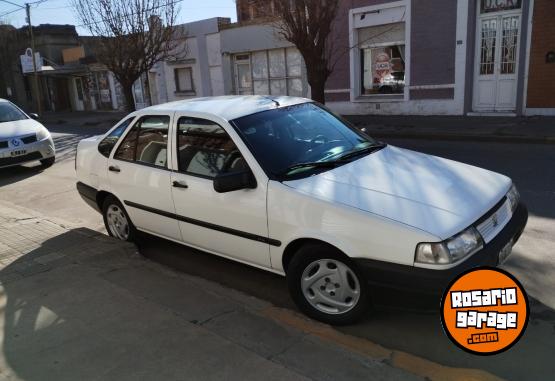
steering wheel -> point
(230, 161)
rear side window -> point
(146, 142)
(206, 150)
(107, 144)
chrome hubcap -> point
(330, 286)
(117, 222)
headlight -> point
(514, 197)
(453, 250)
(43, 134)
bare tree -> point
(12, 44)
(307, 24)
(134, 35)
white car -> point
(284, 185)
(23, 139)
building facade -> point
(432, 57)
(540, 95)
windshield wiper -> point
(315, 164)
(362, 151)
(337, 162)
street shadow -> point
(66, 146)
(58, 322)
(398, 320)
(12, 175)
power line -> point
(9, 13)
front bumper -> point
(427, 281)
(40, 150)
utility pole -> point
(36, 76)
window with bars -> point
(488, 47)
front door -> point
(230, 224)
(495, 87)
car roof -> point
(3, 100)
(227, 107)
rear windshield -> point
(10, 113)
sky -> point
(59, 12)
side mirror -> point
(34, 116)
(230, 182)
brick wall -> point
(541, 81)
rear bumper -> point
(88, 194)
(425, 281)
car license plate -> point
(505, 252)
(20, 152)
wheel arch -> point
(101, 196)
(293, 246)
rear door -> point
(138, 175)
(231, 224)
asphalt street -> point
(403, 322)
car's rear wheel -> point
(47, 163)
(326, 285)
(117, 221)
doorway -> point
(497, 61)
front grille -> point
(495, 221)
(26, 140)
(20, 159)
(29, 139)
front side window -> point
(10, 113)
(147, 142)
(206, 150)
(382, 59)
(107, 144)
(297, 135)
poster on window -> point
(384, 70)
(499, 5)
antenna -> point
(273, 100)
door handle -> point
(112, 168)
(180, 184)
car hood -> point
(436, 195)
(19, 128)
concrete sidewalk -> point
(78, 305)
(473, 128)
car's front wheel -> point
(326, 285)
(117, 222)
(47, 163)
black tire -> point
(109, 202)
(306, 256)
(47, 163)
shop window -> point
(382, 56)
(184, 80)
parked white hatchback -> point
(284, 185)
(23, 139)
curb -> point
(398, 359)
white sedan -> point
(23, 139)
(284, 185)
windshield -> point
(10, 113)
(286, 139)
